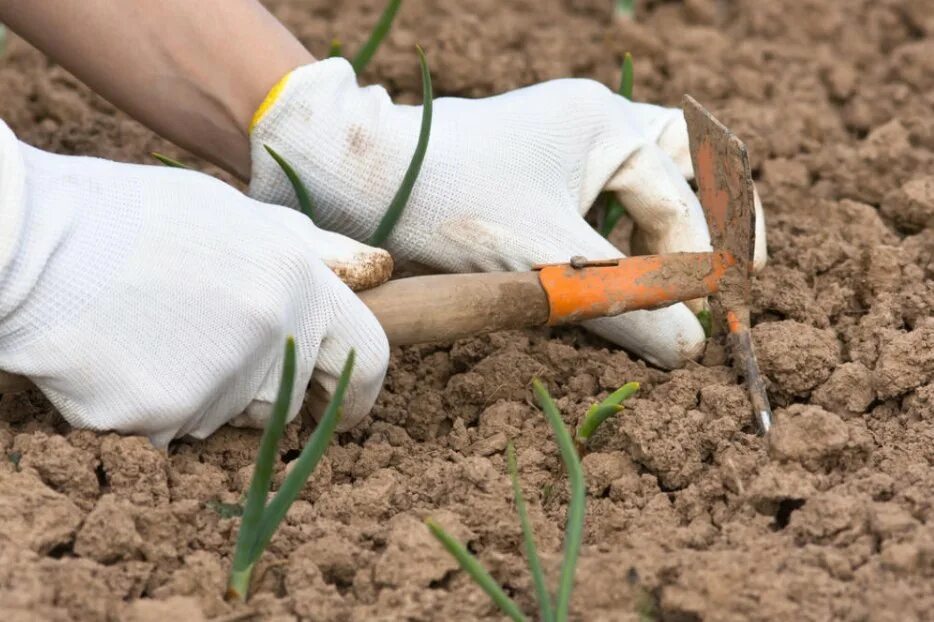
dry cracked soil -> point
(690, 515)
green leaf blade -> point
(598, 413)
(621, 394)
(545, 605)
(166, 160)
(362, 58)
(301, 192)
(706, 321)
(625, 9)
(306, 462)
(614, 211)
(335, 49)
(397, 205)
(626, 80)
(594, 419)
(472, 566)
(576, 506)
(225, 510)
(253, 508)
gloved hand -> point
(505, 181)
(156, 301)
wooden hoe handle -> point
(446, 307)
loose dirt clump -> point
(848, 391)
(690, 515)
(796, 357)
(911, 206)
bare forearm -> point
(192, 71)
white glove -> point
(505, 181)
(156, 301)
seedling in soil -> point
(598, 413)
(626, 77)
(614, 209)
(528, 537)
(706, 321)
(380, 30)
(551, 608)
(168, 161)
(645, 602)
(646, 608)
(394, 212)
(260, 520)
(362, 59)
(626, 9)
(548, 491)
(225, 510)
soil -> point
(690, 515)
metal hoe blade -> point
(724, 179)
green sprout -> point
(528, 538)
(260, 520)
(615, 209)
(2, 39)
(706, 321)
(626, 77)
(301, 192)
(598, 413)
(472, 566)
(335, 49)
(224, 510)
(362, 59)
(168, 161)
(625, 9)
(645, 607)
(394, 212)
(551, 609)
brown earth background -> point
(690, 516)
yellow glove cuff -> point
(270, 99)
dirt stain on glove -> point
(365, 271)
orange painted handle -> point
(646, 282)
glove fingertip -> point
(760, 254)
(674, 141)
(365, 384)
(667, 338)
(355, 327)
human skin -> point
(193, 72)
